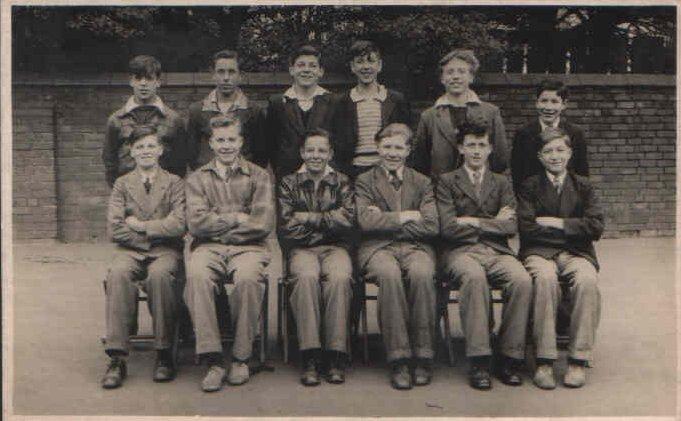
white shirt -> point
(560, 179)
(210, 103)
(131, 104)
(399, 172)
(471, 171)
(544, 126)
(305, 103)
(470, 97)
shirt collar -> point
(470, 97)
(470, 172)
(131, 105)
(210, 103)
(219, 168)
(399, 171)
(305, 174)
(379, 95)
(292, 94)
(151, 176)
(552, 178)
(544, 125)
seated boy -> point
(230, 215)
(363, 111)
(143, 108)
(559, 217)
(146, 219)
(434, 148)
(304, 106)
(316, 212)
(477, 216)
(552, 99)
(227, 100)
(397, 216)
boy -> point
(143, 108)
(435, 152)
(227, 100)
(477, 216)
(363, 111)
(397, 215)
(559, 217)
(316, 211)
(146, 221)
(552, 98)
(229, 214)
(304, 106)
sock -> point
(164, 355)
(544, 361)
(575, 361)
(480, 361)
(214, 358)
(116, 354)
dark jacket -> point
(332, 206)
(252, 120)
(119, 127)
(286, 131)
(456, 197)
(395, 109)
(577, 205)
(527, 143)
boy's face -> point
(366, 68)
(226, 143)
(456, 76)
(306, 71)
(475, 150)
(144, 87)
(393, 151)
(226, 75)
(554, 155)
(146, 151)
(549, 106)
(316, 153)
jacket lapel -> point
(488, 184)
(320, 105)
(568, 197)
(464, 183)
(352, 112)
(548, 196)
(387, 107)
(443, 122)
(292, 112)
(383, 187)
(157, 192)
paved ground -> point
(58, 359)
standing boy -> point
(143, 108)
(227, 100)
(559, 218)
(397, 215)
(316, 211)
(364, 111)
(435, 145)
(477, 216)
(146, 220)
(304, 106)
(230, 214)
(552, 99)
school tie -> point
(147, 185)
(477, 183)
(394, 180)
(557, 185)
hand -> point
(410, 216)
(550, 221)
(506, 213)
(135, 224)
(241, 218)
(471, 221)
(373, 208)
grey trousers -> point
(155, 275)
(581, 278)
(210, 267)
(322, 278)
(472, 269)
(406, 299)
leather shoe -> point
(238, 373)
(509, 374)
(310, 375)
(543, 377)
(423, 373)
(163, 371)
(400, 378)
(479, 378)
(575, 376)
(115, 373)
(214, 378)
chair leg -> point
(365, 331)
(284, 321)
(279, 298)
(175, 349)
(448, 335)
(264, 315)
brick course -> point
(59, 188)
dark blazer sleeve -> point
(502, 227)
(272, 129)
(429, 225)
(341, 218)
(500, 154)
(520, 155)
(110, 150)
(420, 156)
(290, 229)
(256, 129)
(373, 221)
(177, 161)
(527, 213)
(580, 160)
(402, 113)
(446, 206)
(119, 231)
(590, 226)
(194, 135)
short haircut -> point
(553, 85)
(553, 133)
(142, 131)
(363, 48)
(475, 128)
(304, 50)
(395, 129)
(462, 54)
(223, 121)
(227, 54)
(144, 66)
(317, 132)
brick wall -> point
(58, 133)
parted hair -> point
(552, 133)
(395, 129)
(462, 54)
(144, 66)
(305, 50)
